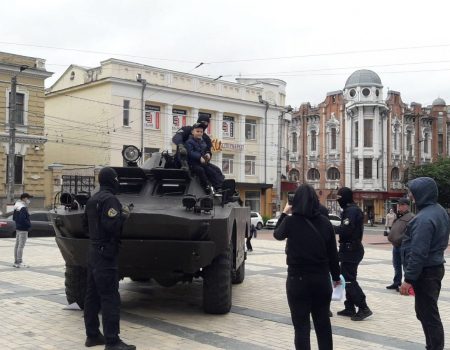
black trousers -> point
(427, 289)
(310, 294)
(208, 173)
(354, 296)
(248, 242)
(102, 293)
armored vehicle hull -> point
(176, 232)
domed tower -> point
(365, 136)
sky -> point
(314, 46)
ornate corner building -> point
(355, 138)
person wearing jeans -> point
(423, 248)
(22, 219)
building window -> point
(395, 137)
(148, 151)
(395, 174)
(250, 165)
(152, 114)
(333, 138)
(294, 142)
(367, 168)
(227, 163)
(20, 108)
(352, 93)
(313, 140)
(228, 126)
(313, 174)
(356, 168)
(178, 119)
(294, 175)
(356, 134)
(425, 143)
(18, 170)
(440, 143)
(126, 113)
(250, 129)
(366, 92)
(368, 132)
(408, 140)
(253, 200)
(333, 174)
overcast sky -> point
(312, 45)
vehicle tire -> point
(239, 274)
(75, 284)
(217, 284)
(259, 226)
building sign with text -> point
(152, 117)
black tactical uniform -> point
(182, 135)
(105, 217)
(351, 253)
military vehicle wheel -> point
(75, 285)
(239, 274)
(217, 284)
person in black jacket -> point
(311, 256)
(351, 253)
(182, 135)
(104, 216)
(23, 224)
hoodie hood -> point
(424, 190)
(107, 178)
(305, 202)
(19, 205)
(346, 196)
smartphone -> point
(290, 197)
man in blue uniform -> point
(105, 216)
(351, 253)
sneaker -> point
(347, 312)
(362, 314)
(392, 286)
(94, 341)
(19, 265)
(120, 345)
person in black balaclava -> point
(351, 253)
(104, 217)
(182, 135)
(311, 256)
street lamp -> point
(144, 84)
(266, 103)
(287, 109)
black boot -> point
(94, 341)
(120, 345)
(362, 314)
(347, 312)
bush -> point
(265, 218)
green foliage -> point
(440, 172)
(265, 218)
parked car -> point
(256, 219)
(335, 220)
(271, 223)
(40, 225)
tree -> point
(440, 172)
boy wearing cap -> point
(199, 160)
(22, 219)
(395, 236)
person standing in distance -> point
(351, 253)
(105, 216)
(423, 247)
(311, 256)
(22, 219)
(395, 236)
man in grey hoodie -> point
(423, 247)
(23, 224)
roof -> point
(439, 102)
(363, 77)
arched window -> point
(313, 174)
(294, 142)
(333, 138)
(313, 140)
(333, 174)
(294, 175)
(395, 174)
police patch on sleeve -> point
(112, 213)
(346, 222)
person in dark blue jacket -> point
(22, 219)
(199, 160)
(423, 247)
(351, 253)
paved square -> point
(32, 302)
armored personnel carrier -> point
(176, 232)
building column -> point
(192, 117)
(218, 134)
(240, 130)
(167, 122)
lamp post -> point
(144, 84)
(266, 103)
(288, 109)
